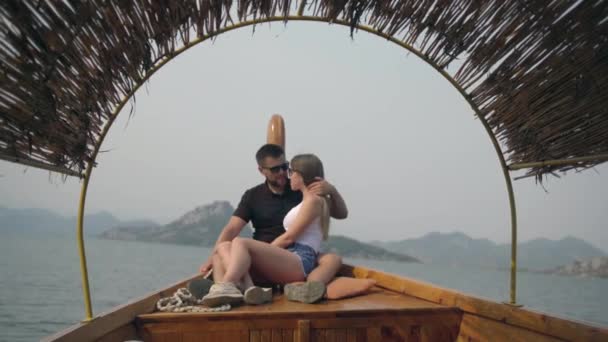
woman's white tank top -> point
(312, 235)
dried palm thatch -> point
(536, 69)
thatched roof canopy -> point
(537, 70)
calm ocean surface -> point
(40, 290)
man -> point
(265, 206)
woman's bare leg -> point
(328, 265)
(245, 253)
(344, 287)
(338, 287)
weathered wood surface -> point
(380, 315)
(378, 301)
(303, 331)
(127, 332)
(474, 328)
(507, 315)
(396, 326)
(406, 327)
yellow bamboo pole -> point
(368, 29)
(88, 307)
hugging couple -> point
(290, 213)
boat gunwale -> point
(516, 316)
(118, 316)
(139, 311)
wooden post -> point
(276, 131)
(303, 332)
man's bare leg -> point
(222, 258)
(218, 269)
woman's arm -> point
(311, 209)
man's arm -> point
(229, 232)
(338, 209)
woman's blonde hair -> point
(309, 167)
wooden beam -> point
(40, 165)
(559, 162)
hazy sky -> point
(397, 140)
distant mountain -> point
(203, 225)
(352, 248)
(545, 253)
(459, 249)
(32, 220)
(200, 226)
(437, 247)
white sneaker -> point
(258, 295)
(222, 293)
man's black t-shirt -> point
(266, 210)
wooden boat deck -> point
(377, 301)
(375, 316)
(398, 309)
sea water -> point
(41, 294)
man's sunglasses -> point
(276, 169)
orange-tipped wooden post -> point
(276, 131)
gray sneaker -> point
(258, 295)
(308, 292)
(222, 293)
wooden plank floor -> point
(382, 315)
(378, 301)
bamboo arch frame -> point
(299, 17)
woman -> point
(291, 256)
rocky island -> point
(202, 225)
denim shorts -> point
(307, 255)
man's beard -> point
(279, 183)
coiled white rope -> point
(183, 301)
